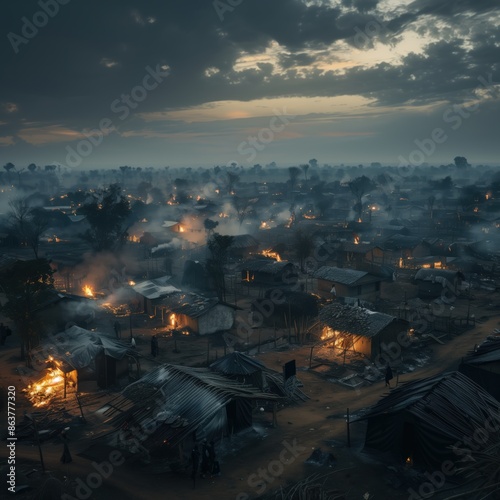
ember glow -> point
(87, 290)
(264, 225)
(273, 255)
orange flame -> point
(87, 290)
(273, 255)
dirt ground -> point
(316, 423)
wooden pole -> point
(80, 406)
(311, 357)
(348, 430)
(64, 385)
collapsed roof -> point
(77, 348)
(181, 400)
(354, 320)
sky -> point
(92, 84)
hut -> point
(482, 365)
(179, 406)
(432, 282)
(360, 330)
(197, 313)
(268, 272)
(82, 355)
(341, 282)
(429, 421)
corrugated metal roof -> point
(451, 403)
(237, 363)
(265, 266)
(340, 275)
(191, 304)
(155, 288)
(487, 352)
(179, 399)
(354, 320)
(77, 348)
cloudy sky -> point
(203, 82)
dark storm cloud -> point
(92, 51)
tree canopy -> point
(25, 284)
(107, 212)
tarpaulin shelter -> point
(420, 421)
(179, 403)
(482, 365)
(87, 355)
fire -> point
(181, 229)
(222, 215)
(356, 240)
(131, 283)
(359, 219)
(309, 216)
(119, 311)
(134, 238)
(172, 320)
(273, 255)
(264, 225)
(46, 388)
(87, 290)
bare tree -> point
(28, 222)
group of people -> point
(154, 346)
(207, 459)
(5, 331)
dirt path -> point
(317, 423)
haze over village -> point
(250, 249)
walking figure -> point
(195, 462)
(118, 329)
(66, 456)
(388, 376)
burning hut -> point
(424, 421)
(76, 355)
(341, 282)
(482, 365)
(360, 330)
(151, 291)
(268, 272)
(197, 313)
(180, 405)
